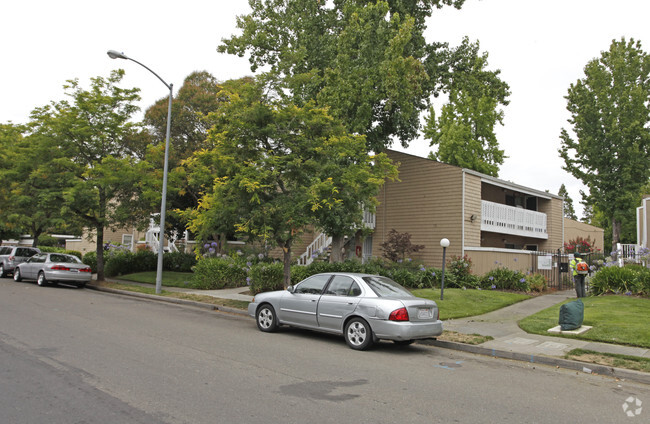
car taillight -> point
(60, 268)
(85, 270)
(11, 258)
(400, 314)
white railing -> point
(369, 220)
(318, 246)
(152, 238)
(499, 218)
(631, 253)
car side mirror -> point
(290, 289)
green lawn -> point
(169, 278)
(615, 319)
(459, 303)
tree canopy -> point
(368, 61)
(96, 146)
(610, 118)
(274, 169)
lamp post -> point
(163, 204)
(445, 244)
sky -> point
(540, 48)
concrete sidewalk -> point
(509, 341)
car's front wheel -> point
(17, 276)
(41, 280)
(2, 271)
(266, 319)
(358, 334)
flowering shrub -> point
(580, 245)
(503, 278)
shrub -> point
(218, 273)
(90, 259)
(630, 279)
(537, 282)
(266, 277)
(459, 273)
(178, 261)
(502, 278)
(54, 249)
(398, 246)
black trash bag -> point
(571, 315)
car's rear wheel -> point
(2, 271)
(358, 334)
(17, 276)
(266, 319)
(41, 280)
(403, 342)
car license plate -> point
(425, 313)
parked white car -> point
(46, 268)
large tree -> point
(610, 117)
(276, 170)
(366, 60)
(98, 149)
(465, 130)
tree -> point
(569, 211)
(271, 166)
(610, 116)
(96, 145)
(464, 132)
(195, 100)
(366, 60)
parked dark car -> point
(46, 268)
(11, 256)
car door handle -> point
(313, 300)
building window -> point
(127, 241)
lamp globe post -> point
(113, 54)
(444, 243)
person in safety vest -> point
(579, 272)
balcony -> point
(499, 218)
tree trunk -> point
(336, 251)
(286, 249)
(100, 253)
(616, 233)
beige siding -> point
(553, 209)
(426, 203)
(472, 218)
(484, 261)
(574, 229)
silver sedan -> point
(45, 268)
(363, 308)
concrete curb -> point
(620, 373)
(586, 367)
(165, 299)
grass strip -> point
(610, 359)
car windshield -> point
(65, 259)
(385, 287)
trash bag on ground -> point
(571, 315)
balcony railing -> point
(499, 218)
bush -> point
(459, 273)
(504, 279)
(90, 259)
(178, 261)
(630, 279)
(537, 282)
(219, 273)
(54, 249)
(266, 277)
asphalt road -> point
(82, 356)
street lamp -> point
(163, 204)
(445, 244)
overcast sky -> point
(540, 48)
